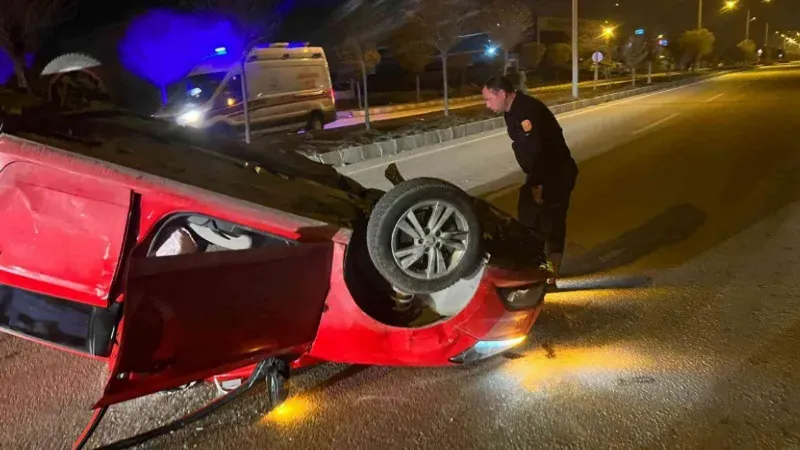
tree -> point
(412, 55)
(634, 52)
(506, 22)
(253, 22)
(531, 54)
(356, 61)
(748, 51)
(442, 23)
(358, 36)
(593, 37)
(558, 56)
(23, 24)
(697, 43)
(653, 56)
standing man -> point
(543, 154)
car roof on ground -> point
(292, 183)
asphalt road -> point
(681, 330)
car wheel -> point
(315, 122)
(423, 236)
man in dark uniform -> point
(543, 154)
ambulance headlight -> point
(192, 118)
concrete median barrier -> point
(352, 155)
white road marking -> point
(656, 123)
(715, 97)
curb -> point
(352, 155)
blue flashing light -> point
(663, 42)
(162, 45)
(221, 50)
(7, 66)
(491, 51)
(639, 32)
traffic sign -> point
(597, 57)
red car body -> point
(80, 217)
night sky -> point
(667, 16)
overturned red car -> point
(179, 258)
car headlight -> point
(485, 349)
(192, 118)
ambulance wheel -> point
(316, 122)
(423, 236)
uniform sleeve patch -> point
(526, 125)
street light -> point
(731, 5)
(575, 49)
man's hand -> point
(537, 194)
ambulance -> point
(288, 87)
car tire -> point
(449, 247)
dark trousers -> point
(550, 218)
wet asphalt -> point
(677, 326)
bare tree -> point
(506, 22)
(254, 21)
(593, 37)
(358, 60)
(442, 24)
(358, 33)
(634, 52)
(23, 23)
(412, 55)
(654, 55)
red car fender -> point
(348, 335)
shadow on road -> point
(674, 225)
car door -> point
(189, 317)
(61, 231)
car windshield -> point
(198, 88)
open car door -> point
(188, 317)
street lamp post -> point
(699, 14)
(575, 49)
(747, 26)
(766, 37)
